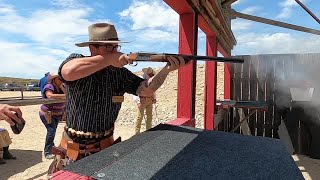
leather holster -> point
(48, 116)
(73, 148)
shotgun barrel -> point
(162, 57)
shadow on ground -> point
(25, 159)
(308, 166)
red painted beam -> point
(203, 25)
(186, 73)
(182, 122)
(180, 6)
(186, 94)
(210, 83)
(184, 106)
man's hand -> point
(7, 114)
(148, 89)
(117, 59)
(174, 63)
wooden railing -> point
(28, 102)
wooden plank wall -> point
(259, 79)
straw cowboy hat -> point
(101, 33)
(148, 70)
(52, 76)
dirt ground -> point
(28, 146)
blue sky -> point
(37, 35)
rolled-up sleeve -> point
(48, 87)
(71, 57)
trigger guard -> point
(136, 63)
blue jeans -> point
(51, 132)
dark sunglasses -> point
(109, 47)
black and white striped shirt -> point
(89, 103)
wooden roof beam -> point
(218, 9)
(221, 27)
(236, 14)
(221, 37)
(226, 3)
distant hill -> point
(18, 81)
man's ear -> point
(93, 48)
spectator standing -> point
(51, 114)
(144, 103)
(43, 81)
(5, 141)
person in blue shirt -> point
(43, 81)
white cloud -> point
(45, 26)
(278, 43)
(239, 24)
(151, 14)
(50, 34)
(66, 3)
(156, 35)
(151, 24)
(251, 10)
(5, 8)
(18, 60)
(237, 2)
(289, 3)
(285, 13)
(287, 8)
(152, 20)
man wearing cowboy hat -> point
(144, 103)
(95, 87)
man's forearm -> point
(82, 67)
(147, 88)
(56, 96)
(156, 81)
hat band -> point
(104, 39)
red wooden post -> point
(210, 83)
(186, 75)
